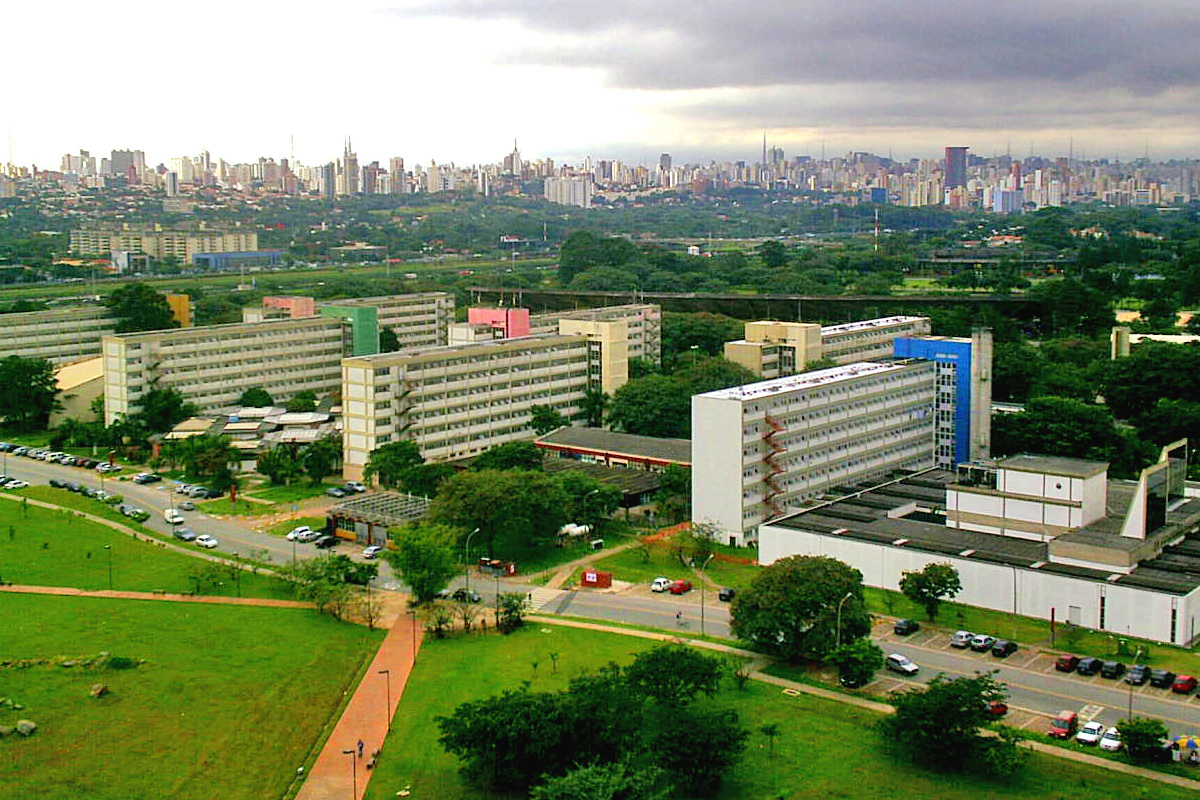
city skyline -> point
(455, 81)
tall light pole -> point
(108, 547)
(1136, 656)
(388, 674)
(353, 772)
(839, 617)
(467, 558)
(703, 580)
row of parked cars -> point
(58, 458)
(12, 483)
(319, 539)
(1137, 675)
(197, 491)
(108, 498)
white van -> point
(660, 585)
(173, 517)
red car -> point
(997, 708)
(1066, 663)
(680, 587)
(1184, 684)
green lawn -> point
(44, 547)
(199, 721)
(294, 493)
(88, 505)
(824, 749)
(316, 523)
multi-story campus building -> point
(211, 366)
(458, 401)
(161, 243)
(643, 324)
(775, 349)
(418, 320)
(60, 335)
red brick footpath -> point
(335, 774)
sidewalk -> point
(336, 775)
(178, 598)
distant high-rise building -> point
(512, 161)
(328, 181)
(172, 184)
(664, 161)
(398, 183)
(571, 190)
(350, 169)
(956, 167)
(120, 162)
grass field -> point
(88, 505)
(824, 749)
(295, 493)
(55, 548)
(199, 721)
(316, 523)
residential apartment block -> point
(761, 448)
(162, 243)
(457, 401)
(418, 320)
(775, 349)
(61, 335)
(643, 324)
(211, 366)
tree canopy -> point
(929, 586)
(390, 462)
(255, 397)
(511, 455)
(424, 558)
(514, 509)
(160, 410)
(28, 392)
(137, 307)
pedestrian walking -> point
(360, 748)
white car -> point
(308, 536)
(1090, 733)
(660, 584)
(961, 639)
(1110, 741)
(372, 551)
(173, 517)
(204, 540)
(356, 486)
(294, 534)
(898, 663)
(15, 484)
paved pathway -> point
(181, 598)
(336, 775)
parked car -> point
(1066, 663)
(354, 486)
(146, 477)
(898, 663)
(372, 551)
(904, 627)
(680, 587)
(1064, 725)
(186, 534)
(1004, 648)
(1089, 666)
(997, 708)
(20, 451)
(1184, 684)
(1138, 674)
(183, 488)
(726, 594)
(204, 540)
(1112, 670)
(309, 536)
(173, 517)
(335, 491)
(1111, 740)
(982, 643)
(660, 584)
(55, 483)
(961, 639)
(466, 595)
(198, 491)
(187, 505)
(1161, 678)
(325, 542)
(1090, 733)
(14, 483)
(294, 534)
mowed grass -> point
(824, 749)
(46, 547)
(282, 528)
(295, 493)
(229, 702)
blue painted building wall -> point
(956, 351)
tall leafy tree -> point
(137, 307)
(651, 406)
(544, 419)
(389, 342)
(28, 392)
(930, 586)
(514, 510)
(424, 558)
(281, 465)
(255, 397)
(390, 461)
(1141, 737)
(595, 401)
(511, 455)
(857, 661)
(159, 410)
(321, 458)
(302, 402)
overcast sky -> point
(457, 80)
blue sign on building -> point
(952, 403)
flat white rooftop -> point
(866, 324)
(807, 380)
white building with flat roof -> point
(60, 335)
(643, 323)
(774, 349)
(421, 319)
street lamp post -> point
(108, 547)
(467, 558)
(388, 674)
(703, 580)
(839, 617)
(1136, 656)
(353, 772)
(413, 629)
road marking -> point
(1090, 712)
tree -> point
(791, 607)
(320, 458)
(939, 726)
(674, 498)
(137, 307)
(651, 406)
(1141, 737)
(424, 559)
(595, 401)
(695, 747)
(589, 502)
(928, 587)
(1169, 421)
(707, 332)
(857, 661)
(773, 253)
(621, 781)
(512, 455)
(1153, 371)
(389, 342)
(510, 609)
(321, 581)
(711, 373)
(160, 410)
(674, 675)
(255, 397)
(544, 419)
(302, 402)
(514, 510)
(391, 460)
(281, 465)
(28, 392)
(424, 480)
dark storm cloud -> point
(1141, 48)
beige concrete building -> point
(419, 320)
(458, 401)
(211, 366)
(79, 384)
(777, 349)
(643, 324)
(162, 243)
(62, 335)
